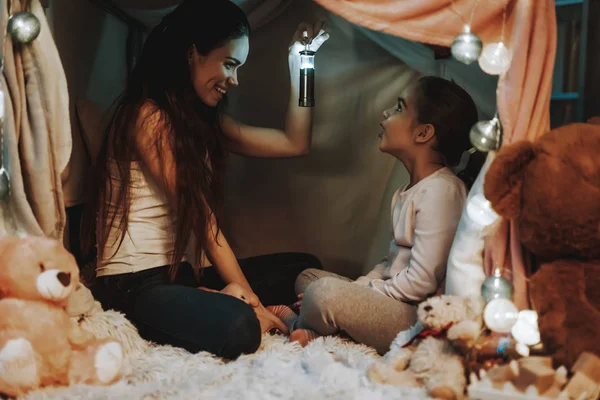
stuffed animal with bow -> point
(39, 344)
(433, 358)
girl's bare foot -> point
(303, 336)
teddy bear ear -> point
(504, 178)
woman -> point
(428, 131)
(159, 185)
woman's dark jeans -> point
(181, 315)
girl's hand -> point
(298, 304)
(316, 36)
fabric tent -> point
(36, 129)
(335, 202)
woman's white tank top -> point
(149, 240)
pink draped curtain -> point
(523, 94)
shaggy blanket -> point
(329, 368)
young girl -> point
(428, 131)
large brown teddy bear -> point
(551, 189)
(39, 344)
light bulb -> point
(495, 58)
(485, 135)
(307, 60)
(500, 315)
(466, 48)
(480, 211)
(526, 328)
(24, 27)
(496, 287)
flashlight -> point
(307, 75)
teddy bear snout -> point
(427, 308)
(64, 278)
(54, 285)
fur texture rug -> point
(329, 368)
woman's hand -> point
(241, 292)
(268, 320)
(316, 36)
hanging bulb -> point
(466, 48)
(495, 58)
(24, 27)
(480, 211)
(496, 287)
(485, 135)
(500, 315)
(526, 328)
(526, 332)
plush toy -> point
(551, 190)
(433, 358)
(39, 344)
(534, 378)
(526, 378)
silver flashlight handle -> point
(307, 88)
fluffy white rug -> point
(328, 368)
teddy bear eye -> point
(447, 303)
(42, 268)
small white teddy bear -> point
(432, 358)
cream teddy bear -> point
(39, 344)
(432, 358)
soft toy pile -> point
(39, 344)
(534, 378)
(434, 357)
(551, 190)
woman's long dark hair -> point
(161, 79)
(452, 112)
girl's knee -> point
(323, 294)
(305, 278)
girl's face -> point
(400, 126)
(212, 75)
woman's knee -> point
(310, 261)
(244, 333)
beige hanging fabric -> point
(37, 132)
